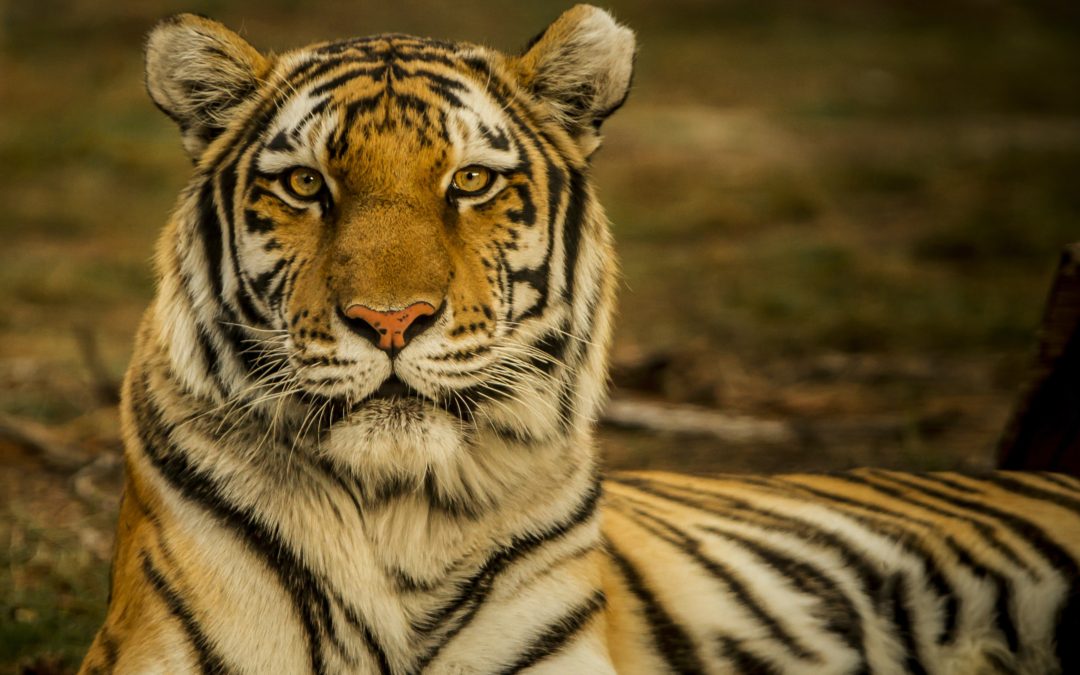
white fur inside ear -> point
(197, 72)
(581, 66)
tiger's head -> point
(393, 237)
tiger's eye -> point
(305, 183)
(472, 180)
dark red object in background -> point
(1044, 432)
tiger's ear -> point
(197, 72)
(580, 67)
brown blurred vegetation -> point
(840, 216)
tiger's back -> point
(862, 571)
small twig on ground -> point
(105, 387)
(84, 481)
(694, 421)
(39, 439)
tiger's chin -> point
(397, 439)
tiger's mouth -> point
(396, 393)
(393, 393)
(395, 388)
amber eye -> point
(472, 180)
(304, 183)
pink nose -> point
(390, 325)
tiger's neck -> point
(407, 546)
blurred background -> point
(838, 222)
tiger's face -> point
(397, 235)
(406, 212)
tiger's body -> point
(358, 420)
(862, 571)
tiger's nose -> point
(390, 330)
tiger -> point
(359, 418)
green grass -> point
(53, 592)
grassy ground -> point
(832, 213)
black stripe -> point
(478, 394)
(442, 87)
(1068, 615)
(305, 587)
(511, 435)
(407, 102)
(838, 613)
(556, 181)
(298, 78)
(573, 224)
(742, 592)
(210, 233)
(871, 581)
(732, 508)
(989, 534)
(745, 662)
(275, 294)
(498, 141)
(372, 71)
(437, 79)
(211, 357)
(539, 277)
(1003, 615)
(248, 350)
(109, 652)
(1024, 529)
(258, 223)
(557, 635)
(905, 539)
(353, 110)
(1061, 480)
(1011, 484)
(526, 214)
(317, 69)
(280, 142)
(260, 283)
(1003, 588)
(258, 193)
(370, 640)
(474, 591)
(554, 345)
(210, 662)
(110, 648)
(673, 643)
(227, 181)
(904, 627)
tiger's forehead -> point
(365, 99)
